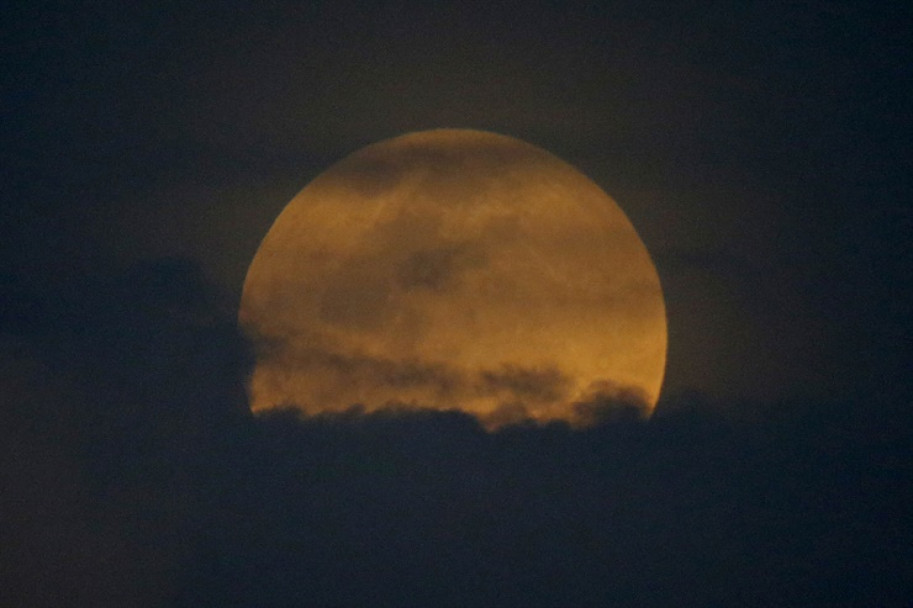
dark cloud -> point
(123, 387)
(178, 498)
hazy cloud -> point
(524, 384)
(438, 269)
(509, 383)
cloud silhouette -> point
(135, 478)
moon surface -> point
(455, 269)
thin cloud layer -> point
(518, 393)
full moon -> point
(455, 269)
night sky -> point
(761, 150)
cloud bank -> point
(132, 474)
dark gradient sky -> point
(760, 149)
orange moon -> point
(455, 269)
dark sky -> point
(760, 149)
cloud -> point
(345, 379)
(117, 492)
(128, 383)
(311, 373)
(605, 402)
(438, 269)
(523, 383)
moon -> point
(455, 269)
